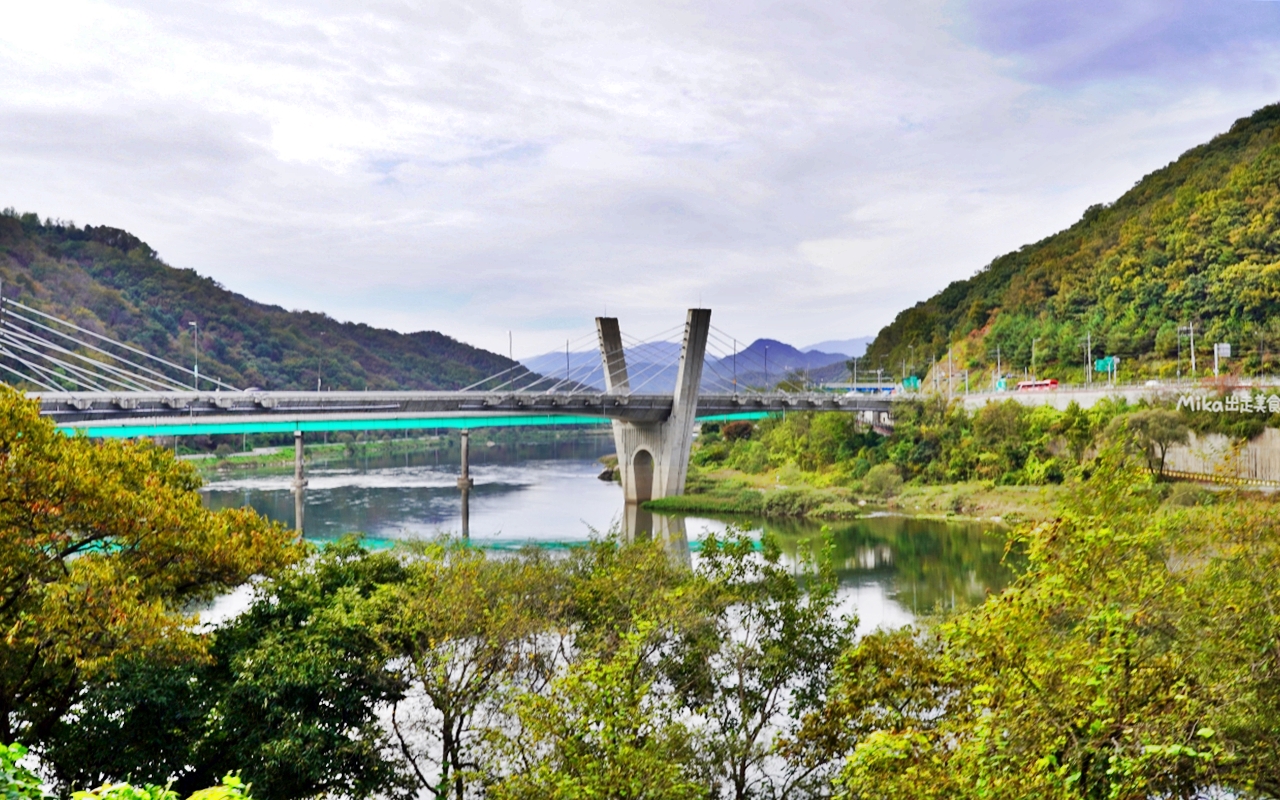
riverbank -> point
(785, 493)
(445, 447)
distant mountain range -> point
(849, 347)
(652, 367)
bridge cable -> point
(129, 381)
(121, 345)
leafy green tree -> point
(769, 665)
(1153, 432)
(102, 546)
(603, 730)
(288, 697)
(469, 631)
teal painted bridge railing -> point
(321, 425)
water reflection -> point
(892, 569)
(931, 565)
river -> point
(892, 568)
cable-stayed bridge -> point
(91, 384)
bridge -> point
(98, 387)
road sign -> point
(911, 382)
(1222, 350)
(1106, 364)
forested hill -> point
(1195, 242)
(111, 282)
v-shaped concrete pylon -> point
(654, 456)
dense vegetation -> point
(935, 442)
(111, 282)
(1133, 656)
(1195, 242)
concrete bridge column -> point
(654, 456)
(299, 484)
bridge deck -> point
(187, 413)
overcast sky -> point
(805, 169)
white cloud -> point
(804, 169)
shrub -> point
(738, 430)
(749, 456)
(883, 480)
(1185, 493)
(16, 781)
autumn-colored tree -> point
(103, 544)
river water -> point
(892, 568)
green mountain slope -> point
(1197, 242)
(111, 282)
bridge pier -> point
(299, 484)
(465, 483)
(653, 457)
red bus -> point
(1038, 386)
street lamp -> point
(320, 362)
(195, 337)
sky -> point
(806, 169)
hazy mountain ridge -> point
(111, 282)
(1197, 241)
(652, 367)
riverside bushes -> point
(932, 442)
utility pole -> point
(195, 337)
(766, 370)
(566, 359)
(950, 392)
(1179, 338)
(1192, 330)
(1088, 357)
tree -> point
(103, 543)
(289, 697)
(468, 630)
(768, 666)
(604, 730)
(1154, 431)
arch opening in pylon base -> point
(642, 472)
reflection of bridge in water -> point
(102, 388)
